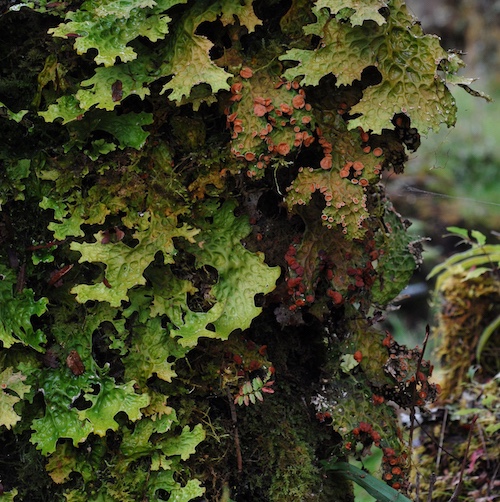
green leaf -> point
(485, 336)
(188, 58)
(152, 351)
(137, 444)
(16, 310)
(16, 171)
(194, 326)
(241, 10)
(488, 254)
(12, 390)
(123, 8)
(44, 255)
(99, 147)
(58, 207)
(109, 27)
(132, 77)
(69, 226)
(88, 462)
(66, 107)
(62, 463)
(140, 443)
(375, 487)
(16, 116)
(479, 237)
(126, 128)
(492, 428)
(346, 202)
(157, 436)
(10, 495)
(242, 274)
(464, 412)
(395, 266)
(140, 303)
(60, 389)
(461, 232)
(164, 480)
(75, 210)
(347, 363)
(357, 11)
(19, 170)
(102, 313)
(408, 60)
(125, 265)
(185, 444)
(111, 400)
(71, 218)
(475, 272)
(335, 55)
(170, 296)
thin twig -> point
(432, 481)
(433, 440)
(45, 246)
(483, 443)
(21, 278)
(412, 407)
(417, 495)
(234, 418)
(458, 489)
(491, 484)
(441, 438)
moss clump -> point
(467, 306)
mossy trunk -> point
(196, 245)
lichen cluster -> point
(196, 243)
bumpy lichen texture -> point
(195, 216)
(125, 265)
(242, 275)
(13, 390)
(268, 119)
(408, 61)
(110, 27)
(16, 314)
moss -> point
(446, 437)
(290, 448)
(280, 440)
(19, 462)
(469, 406)
(468, 306)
